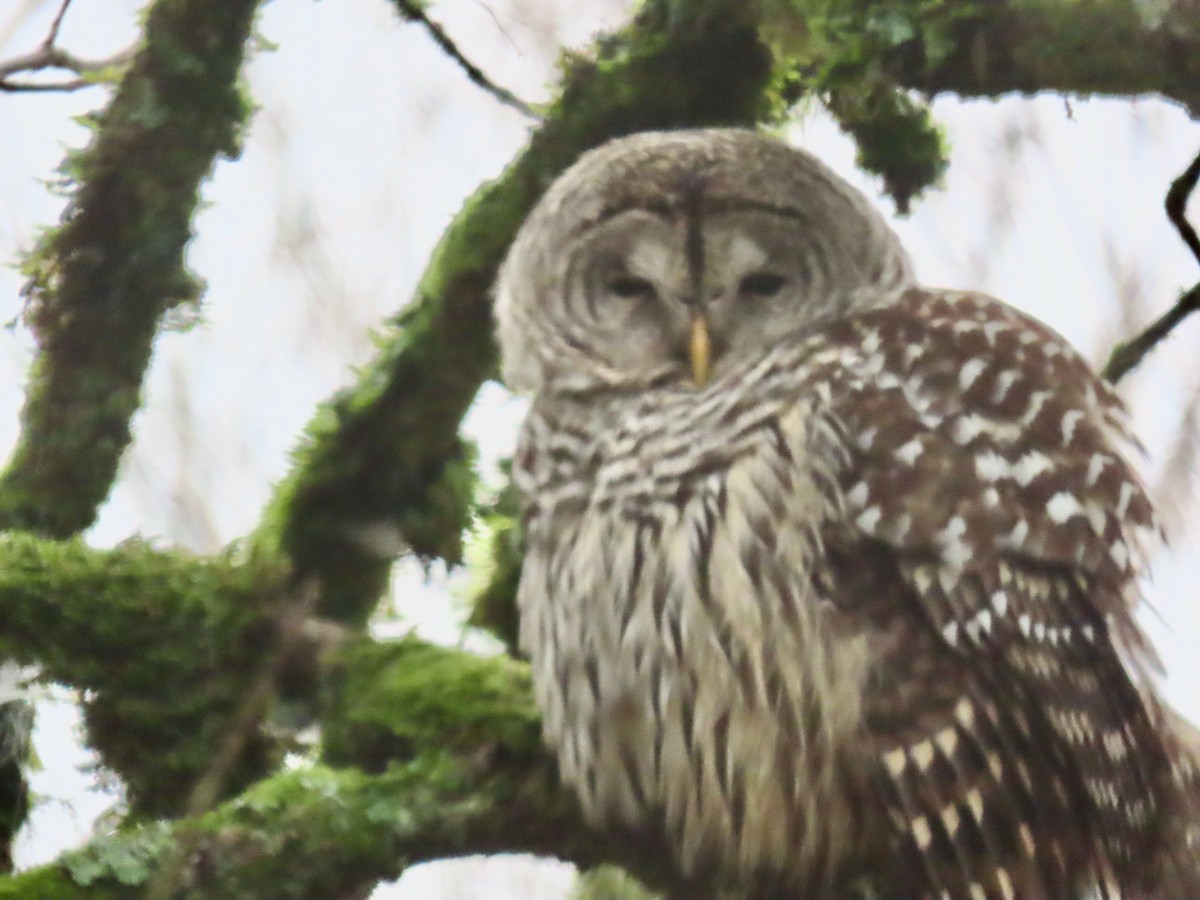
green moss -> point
(897, 139)
(497, 569)
(470, 777)
(609, 883)
(389, 702)
(161, 643)
(382, 467)
(101, 281)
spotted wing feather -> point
(986, 491)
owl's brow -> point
(707, 206)
(717, 206)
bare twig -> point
(412, 10)
(294, 633)
(56, 25)
(1176, 205)
(1126, 356)
(48, 56)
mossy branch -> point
(875, 63)
(101, 281)
(1120, 48)
(162, 646)
(382, 467)
(431, 753)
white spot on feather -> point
(1062, 506)
(955, 552)
(921, 832)
(1036, 401)
(858, 494)
(950, 632)
(1015, 539)
(991, 466)
(1004, 383)
(909, 452)
(1070, 419)
(975, 804)
(871, 342)
(970, 373)
(869, 518)
(1030, 466)
(1126, 495)
(922, 754)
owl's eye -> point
(762, 284)
(630, 287)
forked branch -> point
(50, 56)
(1126, 356)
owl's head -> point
(680, 255)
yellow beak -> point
(700, 351)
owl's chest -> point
(686, 670)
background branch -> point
(49, 56)
(1127, 355)
(414, 11)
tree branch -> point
(858, 54)
(1121, 48)
(242, 730)
(49, 56)
(1128, 355)
(192, 635)
(429, 752)
(100, 283)
(382, 468)
(414, 11)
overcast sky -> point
(366, 144)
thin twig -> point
(48, 56)
(411, 10)
(499, 26)
(1176, 205)
(56, 24)
(293, 634)
(1126, 356)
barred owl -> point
(829, 576)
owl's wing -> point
(989, 539)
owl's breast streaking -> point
(690, 676)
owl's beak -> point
(700, 350)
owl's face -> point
(679, 255)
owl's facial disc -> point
(707, 285)
(664, 291)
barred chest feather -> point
(690, 676)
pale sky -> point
(366, 144)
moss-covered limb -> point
(896, 136)
(863, 56)
(498, 570)
(384, 458)
(439, 756)
(161, 644)
(305, 835)
(101, 281)
(1108, 47)
(609, 883)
